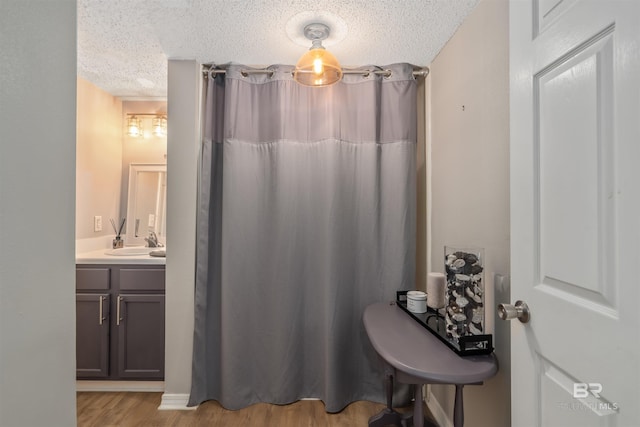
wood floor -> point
(141, 410)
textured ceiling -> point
(123, 45)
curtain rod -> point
(208, 69)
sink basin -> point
(131, 251)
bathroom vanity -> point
(120, 317)
(120, 293)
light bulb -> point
(318, 69)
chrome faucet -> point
(152, 240)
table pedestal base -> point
(389, 416)
(394, 418)
(386, 417)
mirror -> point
(146, 203)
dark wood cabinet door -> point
(92, 335)
(140, 329)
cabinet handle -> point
(101, 317)
(118, 311)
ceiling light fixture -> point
(317, 67)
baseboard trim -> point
(178, 402)
(133, 386)
(439, 415)
(175, 402)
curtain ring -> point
(387, 74)
(212, 73)
(243, 73)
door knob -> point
(519, 311)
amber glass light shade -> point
(317, 67)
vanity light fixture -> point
(317, 67)
(158, 125)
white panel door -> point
(575, 212)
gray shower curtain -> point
(307, 214)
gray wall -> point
(183, 142)
(469, 96)
(37, 212)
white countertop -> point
(94, 251)
(99, 256)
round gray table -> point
(413, 355)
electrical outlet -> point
(152, 221)
(97, 223)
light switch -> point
(97, 223)
(152, 220)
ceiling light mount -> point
(296, 24)
(317, 32)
